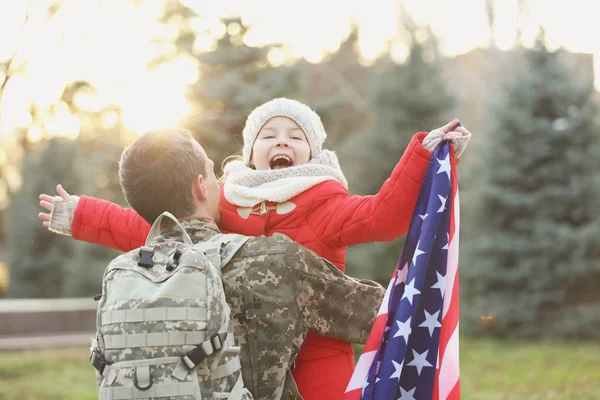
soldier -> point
(277, 289)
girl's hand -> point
(452, 131)
(47, 202)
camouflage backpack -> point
(163, 323)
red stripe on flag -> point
(450, 319)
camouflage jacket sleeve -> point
(332, 303)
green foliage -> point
(36, 256)
(43, 264)
(234, 79)
(83, 271)
(534, 270)
(336, 89)
(408, 98)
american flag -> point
(412, 351)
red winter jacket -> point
(326, 220)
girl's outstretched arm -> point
(341, 219)
(93, 220)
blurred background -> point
(80, 79)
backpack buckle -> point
(97, 361)
(175, 262)
(145, 254)
(193, 357)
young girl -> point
(286, 183)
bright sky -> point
(109, 44)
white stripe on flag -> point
(383, 308)
(452, 263)
(449, 371)
(359, 377)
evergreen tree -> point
(534, 270)
(335, 89)
(234, 79)
(408, 98)
(36, 257)
(83, 271)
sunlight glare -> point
(276, 57)
(35, 133)
(15, 104)
(422, 12)
(331, 44)
(154, 103)
(217, 28)
(11, 19)
(460, 25)
(505, 27)
(421, 35)
(63, 123)
(313, 55)
(110, 119)
(205, 42)
(110, 43)
(184, 67)
(90, 102)
(234, 29)
(399, 53)
(199, 24)
(370, 46)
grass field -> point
(490, 370)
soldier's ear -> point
(199, 188)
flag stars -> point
(440, 284)
(423, 216)
(365, 387)
(417, 253)
(431, 322)
(444, 165)
(404, 329)
(397, 370)
(447, 242)
(420, 361)
(407, 395)
(410, 291)
(443, 206)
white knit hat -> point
(300, 113)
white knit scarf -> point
(246, 187)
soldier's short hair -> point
(157, 170)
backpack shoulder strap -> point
(230, 245)
(221, 248)
(155, 230)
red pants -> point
(323, 368)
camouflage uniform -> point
(278, 290)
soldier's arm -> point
(332, 303)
